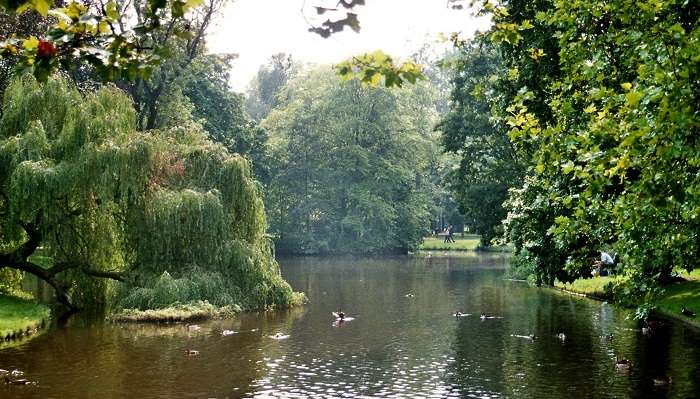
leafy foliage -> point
(269, 81)
(185, 57)
(488, 162)
(612, 129)
(350, 171)
(22, 25)
(106, 201)
(378, 68)
(342, 17)
(522, 267)
(116, 38)
(205, 84)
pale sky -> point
(257, 29)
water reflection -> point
(403, 342)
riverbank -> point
(590, 287)
(468, 242)
(675, 296)
(20, 317)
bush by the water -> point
(249, 280)
(165, 290)
(522, 267)
(196, 310)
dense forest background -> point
(569, 128)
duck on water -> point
(622, 364)
(341, 317)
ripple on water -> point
(398, 348)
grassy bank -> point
(467, 243)
(592, 287)
(200, 310)
(675, 296)
(682, 294)
(470, 242)
(19, 317)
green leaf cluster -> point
(377, 68)
(119, 40)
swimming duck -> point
(226, 333)
(610, 337)
(20, 381)
(662, 381)
(561, 336)
(191, 352)
(409, 295)
(339, 315)
(687, 312)
(622, 363)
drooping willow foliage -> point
(78, 182)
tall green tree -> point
(205, 83)
(617, 163)
(107, 202)
(351, 171)
(192, 84)
(267, 84)
(182, 50)
(489, 164)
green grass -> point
(19, 315)
(682, 294)
(675, 296)
(468, 243)
(594, 287)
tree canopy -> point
(489, 164)
(350, 166)
(105, 201)
(605, 104)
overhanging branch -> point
(119, 276)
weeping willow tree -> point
(149, 209)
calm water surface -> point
(403, 342)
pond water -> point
(402, 342)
